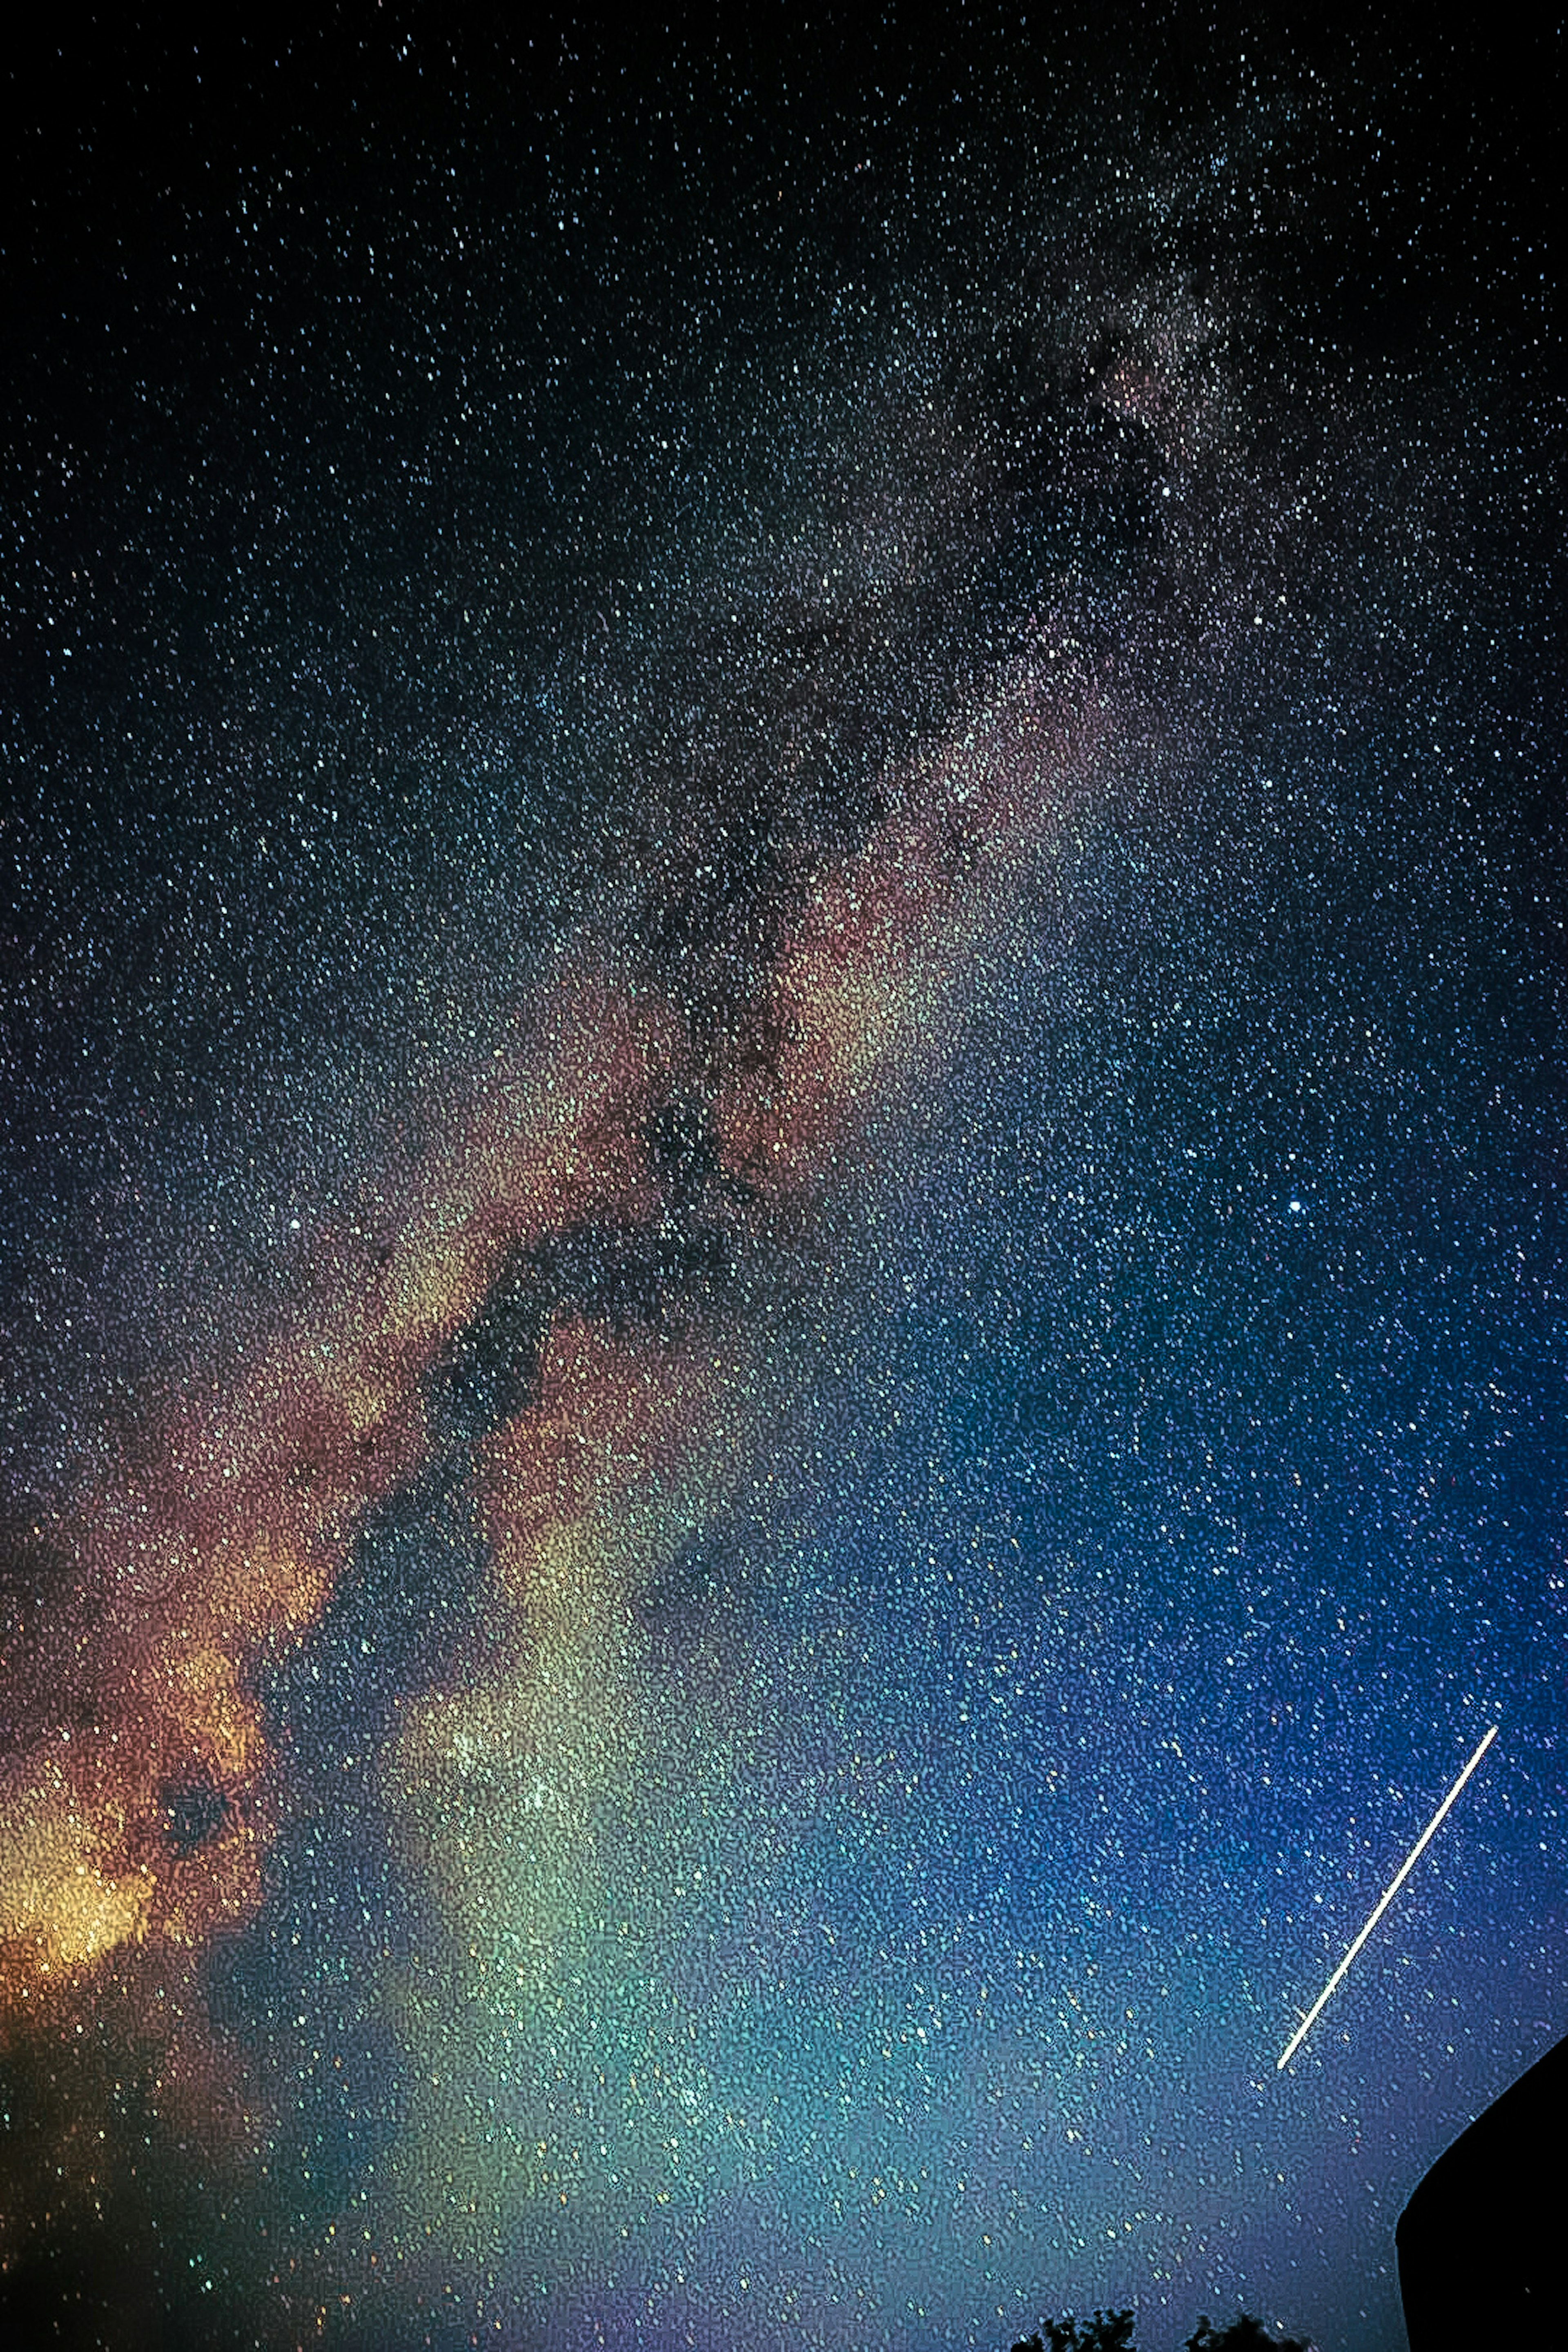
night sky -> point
(782, 992)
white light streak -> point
(1411, 1858)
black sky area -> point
(182, 217)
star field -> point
(782, 1002)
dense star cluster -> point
(781, 1016)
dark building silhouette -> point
(1483, 2243)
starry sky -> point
(782, 1272)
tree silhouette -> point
(1108, 2331)
(1112, 2331)
(1245, 2334)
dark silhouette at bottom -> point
(1112, 2331)
(1485, 2231)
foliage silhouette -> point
(1245, 2334)
(1112, 2331)
(1108, 2331)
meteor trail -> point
(1408, 1865)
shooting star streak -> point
(1411, 1858)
